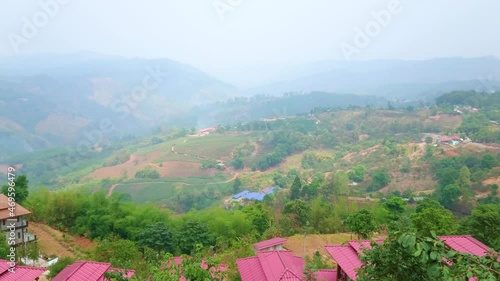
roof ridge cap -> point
(285, 271)
(247, 258)
(478, 243)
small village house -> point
(274, 244)
(14, 223)
(205, 131)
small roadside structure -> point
(453, 140)
(205, 131)
(274, 244)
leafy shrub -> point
(147, 173)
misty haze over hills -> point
(394, 78)
(49, 99)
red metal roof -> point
(206, 130)
(272, 266)
(465, 244)
(87, 271)
(250, 269)
(5, 212)
(269, 243)
(346, 257)
(22, 273)
(359, 246)
(326, 275)
(4, 265)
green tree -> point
(33, 251)
(406, 256)
(429, 151)
(158, 237)
(396, 207)
(296, 188)
(18, 190)
(147, 173)
(191, 233)
(379, 180)
(119, 252)
(238, 163)
(484, 224)
(189, 269)
(320, 215)
(431, 216)
(463, 180)
(358, 173)
(340, 183)
(448, 195)
(299, 210)
(488, 161)
(362, 223)
(4, 247)
(259, 216)
(61, 263)
(37, 204)
(237, 185)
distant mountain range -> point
(397, 79)
(50, 100)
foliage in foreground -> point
(407, 256)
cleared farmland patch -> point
(217, 147)
(168, 191)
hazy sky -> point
(253, 31)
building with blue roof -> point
(241, 194)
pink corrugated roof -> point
(359, 246)
(275, 263)
(250, 269)
(269, 243)
(465, 244)
(326, 275)
(83, 271)
(346, 257)
(87, 271)
(4, 266)
(272, 266)
(206, 130)
(22, 273)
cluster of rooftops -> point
(272, 262)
